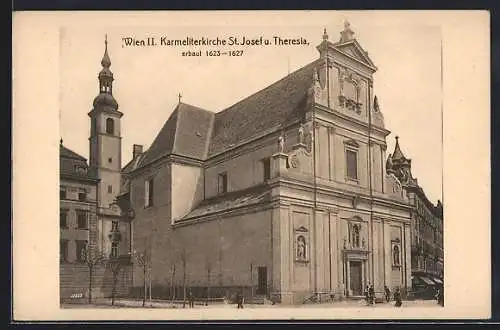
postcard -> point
(251, 165)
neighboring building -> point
(91, 220)
(283, 195)
(78, 200)
(427, 228)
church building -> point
(283, 195)
(93, 228)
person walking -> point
(397, 298)
(387, 293)
(367, 294)
(371, 292)
(191, 299)
(239, 300)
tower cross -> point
(180, 97)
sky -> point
(149, 79)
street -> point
(123, 303)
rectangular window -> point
(352, 164)
(114, 250)
(114, 226)
(81, 251)
(63, 218)
(222, 183)
(110, 189)
(266, 165)
(63, 245)
(62, 193)
(82, 219)
(82, 195)
(148, 192)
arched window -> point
(110, 126)
(301, 248)
(355, 236)
(395, 255)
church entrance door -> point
(355, 270)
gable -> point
(354, 49)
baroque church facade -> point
(284, 194)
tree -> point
(141, 258)
(208, 282)
(184, 277)
(172, 283)
(114, 264)
(92, 257)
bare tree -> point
(141, 258)
(172, 283)
(114, 264)
(92, 257)
(208, 282)
(184, 277)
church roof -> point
(197, 133)
(269, 108)
(185, 133)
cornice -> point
(233, 212)
(249, 145)
(361, 124)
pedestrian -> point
(387, 293)
(367, 294)
(397, 298)
(372, 295)
(191, 299)
(441, 296)
(239, 299)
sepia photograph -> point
(214, 167)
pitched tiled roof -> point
(72, 165)
(133, 164)
(200, 134)
(185, 133)
(68, 153)
(275, 105)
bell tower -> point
(105, 136)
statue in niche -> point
(395, 255)
(281, 143)
(301, 133)
(355, 236)
(363, 243)
(301, 248)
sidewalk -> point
(130, 303)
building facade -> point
(427, 254)
(78, 191)
(285, 194)
(94, 230)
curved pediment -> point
(302, 229)
(351, 143)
